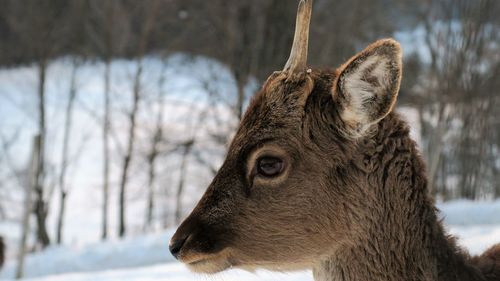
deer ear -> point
(367, 85)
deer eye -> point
(269, 166)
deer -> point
(323, 175)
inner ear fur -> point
(367, 85)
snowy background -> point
(194, 65)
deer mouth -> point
(209, 264)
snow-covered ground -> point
(175, 272)
(146, 258)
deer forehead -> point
(276, 111)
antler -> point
(298, 56)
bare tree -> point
(154, 150)
(108, 33)
(242, 39)
(77, 12)
(149, 15)
(186, 150)
(25, 223)
(105, 144)
(40, 26)
(459, 83)
(68, 124)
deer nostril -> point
(176, 245)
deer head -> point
(287, 194)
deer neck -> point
(399, 238)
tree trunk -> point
(496, 191)
(445, 192)
(130, 149)
(40, 204)
(60, 220)
(64, 161)
(30, 186)
(105, 145)
(182, 178)
(142, 44)
(240, 99)
(153, 154)
(41, 211)
(150, 202)
(435, 147)
(151, 178)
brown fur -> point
(489, 263)
(351, 204)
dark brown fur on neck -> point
(401, 239)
